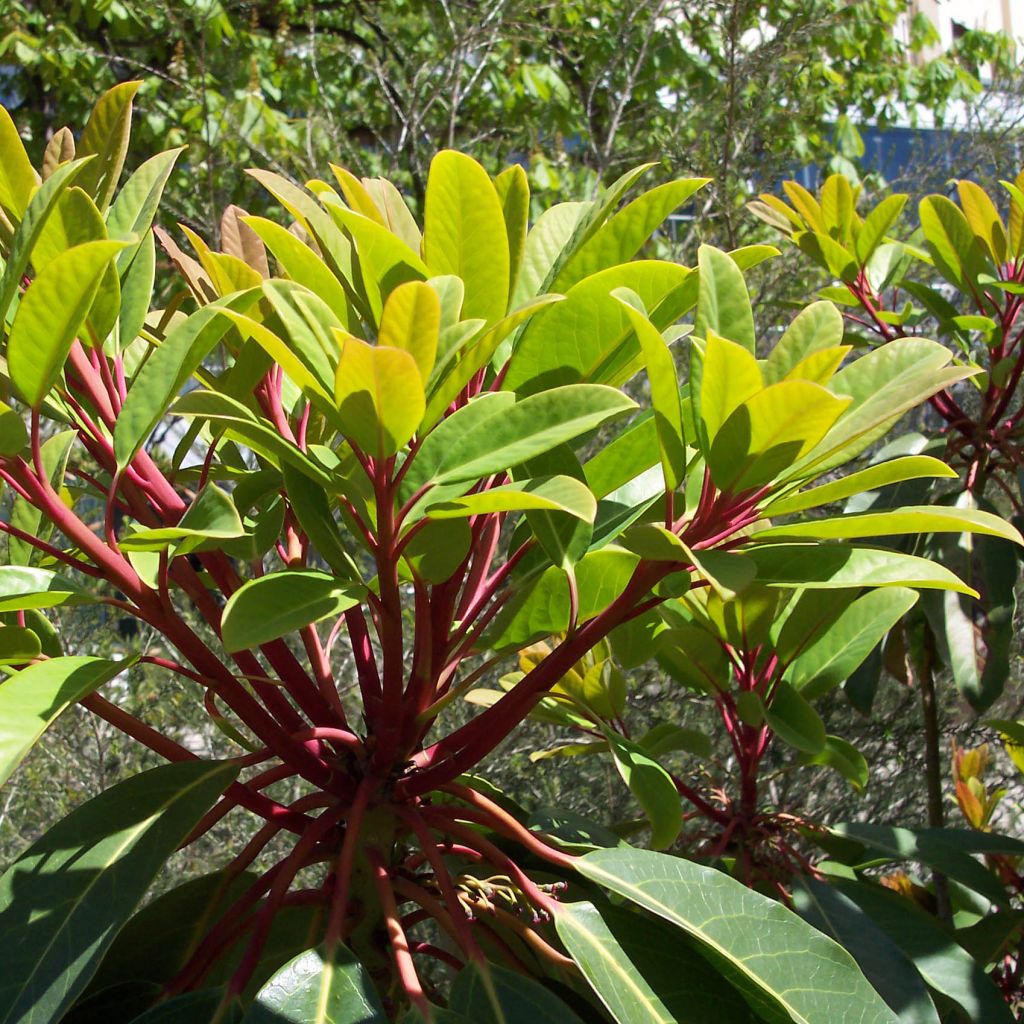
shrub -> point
(402, 459)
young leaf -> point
(17, 176)
(379, 394)
(723, 305)
(464, 233)
(106, 136)
(803, 976)
(411, 321)
(559, 493)
(50, 314)
(91, 869)
(818, 326)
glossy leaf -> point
(411, 322)
(651, 785)
(730, 376)
(910, 520)
(910, 467)
(559, 493)
(622, 236)
(167, 370)
(505, 997)
(801, 973)
(91, 869)
(819, 326)
(316, 988)
(833, 657)
(945, 966)
(17, 176)
(844, 758)
(22, 587)
(840, 565)
(30, 700)
(50, 315)
(379, 393)
(885, 965)
(270, 606)
(794, 721)
(492, 443)
(464, 233)
(723, 305)
(644, 971)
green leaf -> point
(826, 566)
(30, 700)
(834, 656)
(693, 657)
(929, 848)
(22, 587)
(438, 549)
(302, 265)
(464, 233)
(493, 443)
(800, 975)
(884, 384)
(270, 606)
(542, 608)
(13, 435)
(819, 326)
(132, 212)
(546, 241)
(621, 238)
(884, 964)
(106, 136)
(379, 392)
(583, 337)
(157, 941)
(644, 971)
(844, 758)
(913, 519)
(910, 467)
(50, 314)
(313, 511)
(411, 322)
(136, 290)
(257, 433)
(513, 188)
(559, 493)
(793, 720)
(189, 1008)
(18, 645)
(730, 376)
(211, 517)
(651, 785)
(945, 966)
(487, 994)
(770, 432)
(40, 207)
(876, 224)
(723, 305)
(319, 988)
(983, 218)
(91, 869)
(17, 177)
(167, 370)
(661, 375)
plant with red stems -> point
(403, 456)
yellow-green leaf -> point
(464, 233)
(411, 321)
(379, 394)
